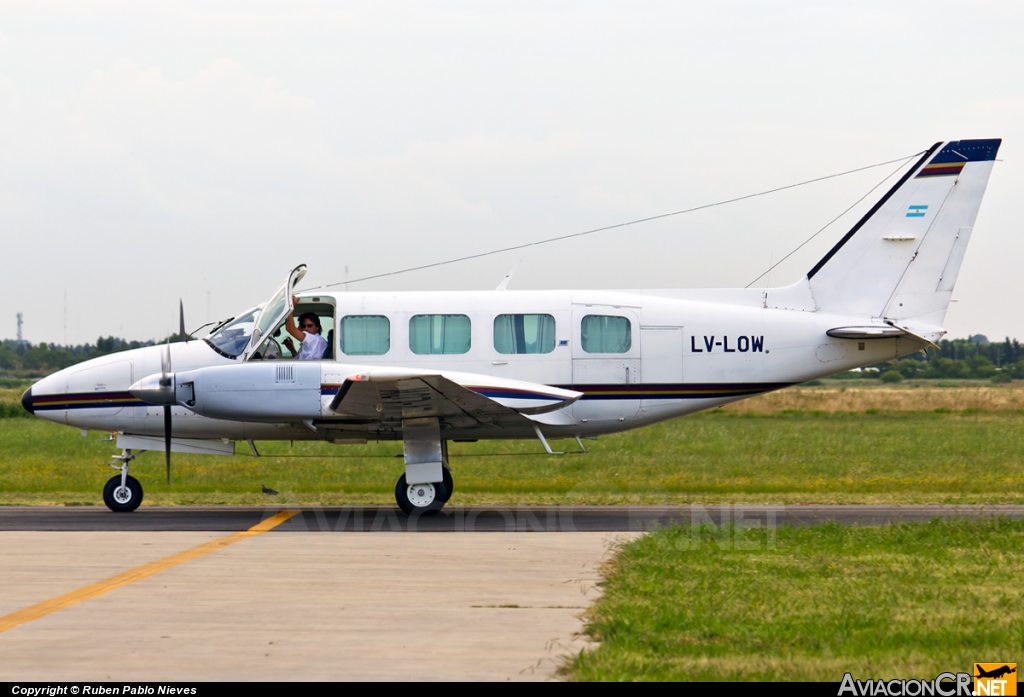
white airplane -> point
(427, 368)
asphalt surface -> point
(473, 518)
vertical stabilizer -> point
(900, 261)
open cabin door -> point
(274, 311)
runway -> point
(473, 518)
(202, 593)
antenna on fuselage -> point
(508, 277)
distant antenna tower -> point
(20, 321)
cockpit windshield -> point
(245, 335)
(232, 338)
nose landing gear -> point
(122, 493)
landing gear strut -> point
(122, 493)
(427, 484)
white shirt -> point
(313, 347)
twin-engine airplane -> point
(427, 368)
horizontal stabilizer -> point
(862, 333)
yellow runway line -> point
(137, 574)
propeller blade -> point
(165, 362)
(181, 321)
(167, 380)
(167, 440)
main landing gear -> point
(122, 493)
(426, 498)
(427, 484)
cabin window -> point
(606, 334)
(365, 335)
(432, 334)
(524, 333)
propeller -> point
(167, 383)
(160, 390)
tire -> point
(441, 495)
(449, 483)
(123, 502)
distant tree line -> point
(999, 354)
(27, 360)
(975, 358)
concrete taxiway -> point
(294, 606)
(250, 594)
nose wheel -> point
(122, 497)
(424, 499)
(122, 493)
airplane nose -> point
(26, 401)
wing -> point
(457, 400)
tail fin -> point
(900, 261)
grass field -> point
(900, 601)
(795, 446)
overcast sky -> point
(151, 151)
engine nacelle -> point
(270, 391)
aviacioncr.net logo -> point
(944, 685)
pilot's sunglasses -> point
(309, 326)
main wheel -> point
(449, 483)
(422, 499)
(122, 499)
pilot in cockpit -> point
(308, 332)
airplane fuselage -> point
(678, 355)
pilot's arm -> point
(290, 323)
(292, 328)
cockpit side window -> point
(232, 338)
(272, 311)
